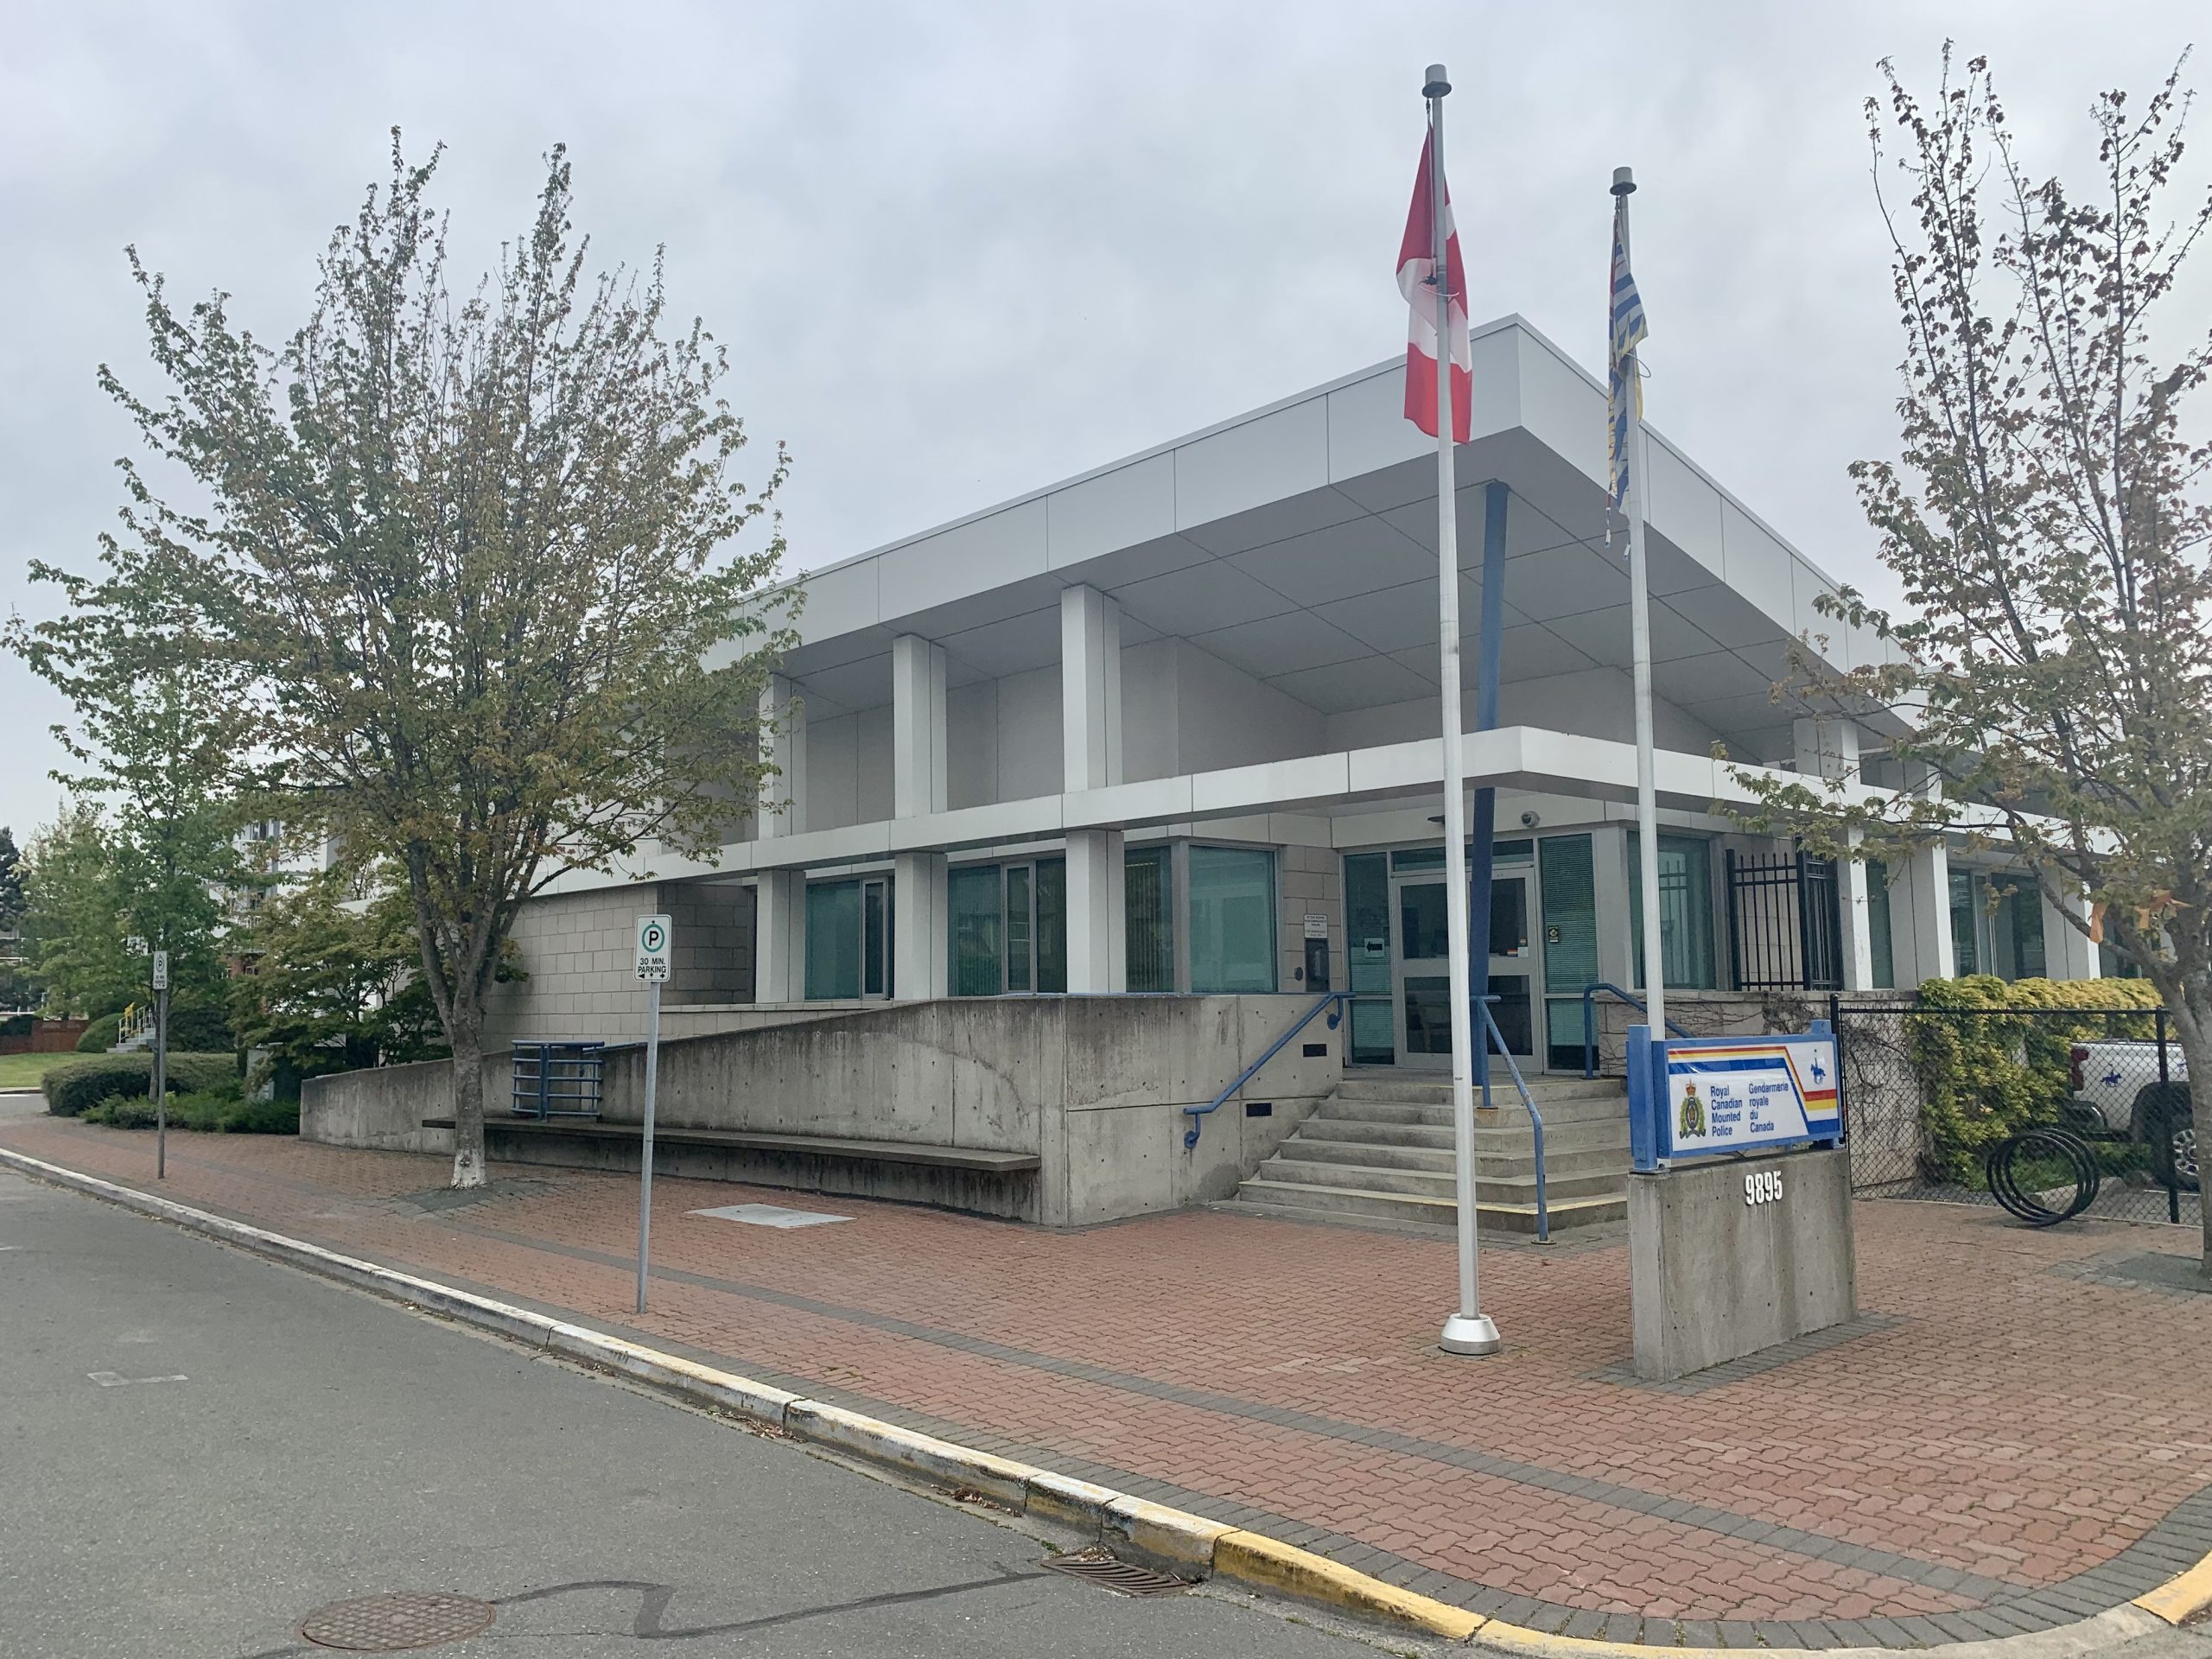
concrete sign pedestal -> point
(1730, 1257)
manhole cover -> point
(1098, 1566)
(396, 1624)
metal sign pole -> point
(655, 944)
(160, 1078)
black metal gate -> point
(1785, 930)
(2096, 1099)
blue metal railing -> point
(1527, 1105)
(1589, 1022)
(1197, 1114)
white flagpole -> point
(1639, 603)
(1469, 1330)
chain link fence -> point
(2049, 1112)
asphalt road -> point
(198, 1448)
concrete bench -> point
(973, 1178)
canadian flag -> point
(1416, 262)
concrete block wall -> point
(578, 949)
(713, 960)
(1308, 879)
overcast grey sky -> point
(959, 250)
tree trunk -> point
(468, 1039)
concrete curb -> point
(1175, 1539)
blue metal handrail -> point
(1197, 1114)
(1589, 1020)
(1535, 1117)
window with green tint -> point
(1232, 911)
(973, 928)
(1020, 931)
(1052, 925)
(1966, 923)
(2019, 927)
(1567, 879)
(1879, 944)
(1512, 852)
(1148, 905)
(1685, 910)
(1416, 859)
(1367, 950)
(833, 940)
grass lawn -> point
(25, 1071)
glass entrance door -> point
(1422, 990)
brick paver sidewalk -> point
(2019, 1431)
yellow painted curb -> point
(2181, 1598)
(1251, 1558)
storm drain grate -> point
(396, 1624)
(1099, 1567)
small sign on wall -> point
(1317, 924)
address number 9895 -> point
(1762, 1186)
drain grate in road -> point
(1099, 1567)
(396, 1624)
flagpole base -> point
(1475, 1337)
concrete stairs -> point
(1380, 1150)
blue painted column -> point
(1483, 832)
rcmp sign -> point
(1729, 1096)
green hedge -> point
(74, 1086)
(200, 1031)
(1986, 1076)
(101, 1035)
(209, 1112)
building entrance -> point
(1420, 988)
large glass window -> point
(2019, 927)
(1879, 941)
(1052, 925)
(1007, 928)
(1232, 908)
(1148, 899)
(974, 927)
(1367, 950)
(1966, 923)
(833, 939)
(1567, 875)
(1685, 911)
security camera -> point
(1529, 820)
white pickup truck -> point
(2116, 1082)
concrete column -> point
(783, 745)
(1924, 946)
(1090, 688)
(1097, 920)
(1829, 750)
(2067, 954)
(919, 949)
(779, 937)
(1090, 750)
(918, 767)
(917, 780)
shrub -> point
(1986, 1076)
(101, 1035)
(200, 1031)
(209, 1112)
(74, 1086)
(17, 1025)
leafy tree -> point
(466, 565)
(73, 928)
(331, 985)
(11, 883)
(2048, 521)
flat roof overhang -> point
(1297, 543)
